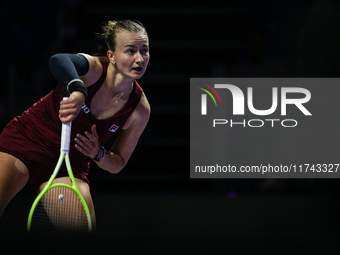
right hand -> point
(70, 107)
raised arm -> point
(75, 72)
(67, 68)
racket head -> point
(59, 208)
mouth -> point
(137, 69)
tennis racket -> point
(60, 206)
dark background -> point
(153, 204)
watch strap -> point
(100, 155)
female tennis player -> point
(104, 100)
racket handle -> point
(65, 136)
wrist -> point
(77, 85)
(79, 96)
(100, 155)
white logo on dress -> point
(85, 108)
(113, 128)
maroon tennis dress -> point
(34, 137)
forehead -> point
(131, 38)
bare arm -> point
(120, 153)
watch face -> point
(101, 153)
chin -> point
(137, 76)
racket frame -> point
(64, 156)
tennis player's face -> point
(132, 54)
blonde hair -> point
(111, 28)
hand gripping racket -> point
(60, 206)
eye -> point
(144, 51)
(130, 51)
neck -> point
(117, 86)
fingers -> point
(85, 142)
(88, 143)
(94, 131)
(68, 110)
(67, 116)
(84, 145)
(71, 106)
(67, 119)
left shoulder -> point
(140, 116)
(143, 107)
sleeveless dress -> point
(34, 137)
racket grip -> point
(65, 136)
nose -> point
(139, 58)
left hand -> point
(88, 144)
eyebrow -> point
(133, 46)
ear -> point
(111, 57)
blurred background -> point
(153, 198)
